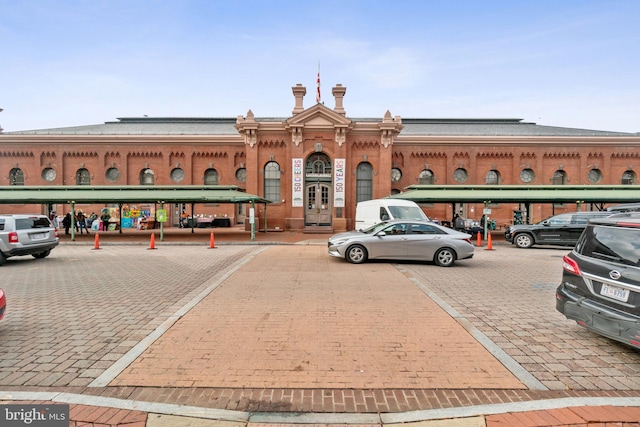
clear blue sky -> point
(570, 63)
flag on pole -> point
(318, 97)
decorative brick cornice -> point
(16, 153)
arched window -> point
(426, 177)
(16, 177)
(272, 182)
(211, 177)
(147, 177)
(628, 177)
(318, 164)
(83, 177)
(493, 177)
(364, 182)
(559, 178)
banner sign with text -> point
(339, 177)
(297, 197)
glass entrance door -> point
(318, 208)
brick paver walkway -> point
(295, 319)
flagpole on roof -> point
(318, 97)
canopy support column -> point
(73, 220)
(265, 218)
(486, 219)
(120, 217)
(192, 219)
(161, 223)
(252, 219)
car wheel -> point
(42, 254)
(523, 240)
(3, 258)
(445, 257)
(356, 254)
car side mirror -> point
(381, 233)
(545, 222)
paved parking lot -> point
(509, 295)
(242, 326)
(71, 315)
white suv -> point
(26, 235)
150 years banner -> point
(339, 175)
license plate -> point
(614, 292)
(39, 236)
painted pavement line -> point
(512, 407)
(514, 367)
(121, 364)
(313, 418)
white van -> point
(372, 212)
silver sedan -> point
(403, 240)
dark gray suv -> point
(562, 230)
(26, 235)
(600, 286)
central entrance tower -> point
(309, 164)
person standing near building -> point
(92, 218)
(66, 223)
(105, 217)
(184, 219)
(81, 220)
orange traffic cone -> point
(479, 242)
(96, 242)
(489, 244)
(152, 243)
(212, 241)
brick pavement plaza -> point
(263, 328)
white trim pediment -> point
(318, 117)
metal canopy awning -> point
(128, 194)
(521, 194)
(74, 194)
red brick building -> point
(316, 164)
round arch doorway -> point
(318, 190)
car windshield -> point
(616, 244)
(408, 212)
(375, 228)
